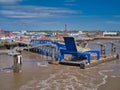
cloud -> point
(70, 0)
(70, 3)
(36, 12)
(9, 1)
(22, 14)
(113, 22)
(117, 16)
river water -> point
(37, 74)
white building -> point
(109, 33)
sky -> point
(83, 15)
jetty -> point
(3, 52)
(12, 52)
(59, 51)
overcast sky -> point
(54, 14)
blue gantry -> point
(68, 48)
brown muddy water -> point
(38, 75)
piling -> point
(102, 49)
(118, 56)
(113, 48)
(53, 55)
(17, 63)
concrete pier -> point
(4, 52)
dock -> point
(3, 52)
(84, 64)
(9, 52)
(102, 60)
(57, 51)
